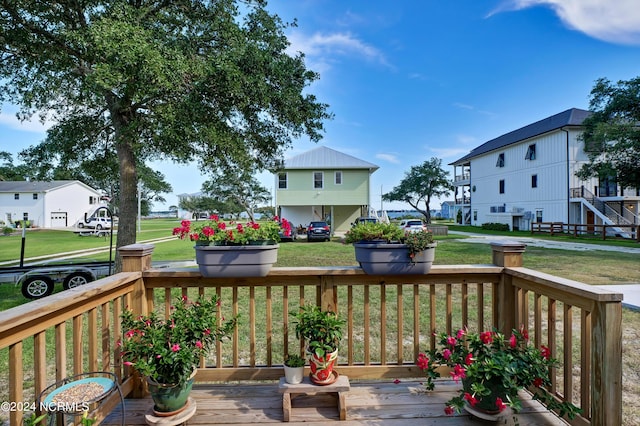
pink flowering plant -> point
(493, 369)
(168, 350)
(217, 231)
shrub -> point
(491, 226)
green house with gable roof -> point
(324, 184)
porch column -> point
(506, 254)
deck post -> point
(506, 254)
(606, 353)
(137, 258)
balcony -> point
(390, 320)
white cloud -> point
(615, 21)
(34, 125)
(391, 158)
(324, 48)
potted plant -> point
(232, 249)
(493, 369)
(322, 332)
(167, 352)
(294, 369)
(385, 249)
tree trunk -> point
(127, 214)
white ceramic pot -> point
(293, 375)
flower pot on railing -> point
(393, 259)
(236, 261)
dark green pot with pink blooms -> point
(167, 352)
(492, 369)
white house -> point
(529, 175)
(55, 204)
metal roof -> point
(327, 158)
(38, 186)
(570, 117)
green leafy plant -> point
(416, 241)
(488, 361)
(216, 231)
(294, 361)
(374, 232)
(33, 419)
(322, 330)
(169, 350)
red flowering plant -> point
(492, 370)
(216, 231)
(169, 350)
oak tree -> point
(612, 133)
(208, 81)
(420, 185)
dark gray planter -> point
(393, 259)
(236, 261)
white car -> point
(96, 222)
(412, 225)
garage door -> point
(59, 220)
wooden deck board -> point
(368, 402)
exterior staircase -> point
(605, 212)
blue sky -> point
(413, 79)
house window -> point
(25, 216)
(534, 181)
(531, 152)
(16, 196)
(475, 215)
(282, 181)
(500, 162)
(318, 180)
(501, 186)
(338, 178)
(35, 196)
(538, 216)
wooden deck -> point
(368, 403)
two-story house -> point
(324, 184)
(529, 175)
(54, 204)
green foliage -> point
(422, 183)
(488, 361)
(239, 189)
(612, 135)
(322, 330)
(133, 82)
(418, 241)
(374, 231)
(169, 350)
(491, 226)
(294, 360)
(390, 233)
(33, 419)
(7, 230)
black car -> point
(318, 231)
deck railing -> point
(390, 320)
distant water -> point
(394, 214)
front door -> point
(591, 220)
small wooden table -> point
(339, 387)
